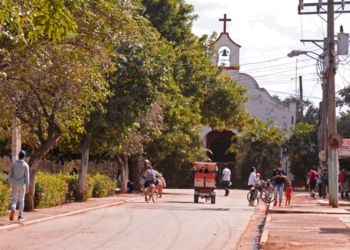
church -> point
(261, 103)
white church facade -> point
(260, 104)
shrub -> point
(5, 194)
(50, 190)
(103, 186)
(72, 181)
(4, 178)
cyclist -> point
(150, 177)
(252, 181)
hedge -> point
(103, 186)
(72, 181)
(5, 194)
(50, 190)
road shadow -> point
(189, 202)
(345, 231)
(195, 208)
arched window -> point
(224, 54)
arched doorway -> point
(219, 147)
(219, 142)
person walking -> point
(225, 179)
(313, 175)
(319, 183)
(279, 177)
(344, 183)
(19, 183)
(324, 176)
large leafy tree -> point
(202, 95)
(343, 123)
(259, 146)
(301, 148)
(53, 83)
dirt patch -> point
(251, 236)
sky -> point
(269, 30)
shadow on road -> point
(195, 208)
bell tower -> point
(227, 50)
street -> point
(174, 222)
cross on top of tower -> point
(225, 20)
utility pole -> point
(301, 98)
(332, 121)
(328, 75)
(296, 78)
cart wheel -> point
(196, 199)
(213, 200)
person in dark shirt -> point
(324, 176)
(279, 176)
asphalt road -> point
(174, 222)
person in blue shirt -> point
(319, 184)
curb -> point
(305, 212)
(8, 227)
(264, 236)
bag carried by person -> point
(342, 177)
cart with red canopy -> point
(204, 181)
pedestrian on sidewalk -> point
(289, 191)
(279, 176)
(319, 183)
(19, 183)
(324, 176)
(225, 179)
(344, 183)
(313, 175)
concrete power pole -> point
(328, 101)
(332, 121)
(301, 98)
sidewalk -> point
(39, 215)
(308, 224)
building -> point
(261, 103)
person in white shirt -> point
(252, 178)
(225, 179)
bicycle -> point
(152, 193)
(266, 192)
(253, 197)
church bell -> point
(224, 52)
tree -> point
(259, 146)
(311, 112)
(301, 148)
(343, 122)
(54, 83)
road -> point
(174, 222)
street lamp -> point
(301, 52)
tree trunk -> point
(85, 145)
(33, 168)
(29, 198)
(123, 167)
(134, 173)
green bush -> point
(4, 178)
(103, 186)
(5, 194)
(72, 181)
(50, 190)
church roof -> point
(228, 36)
